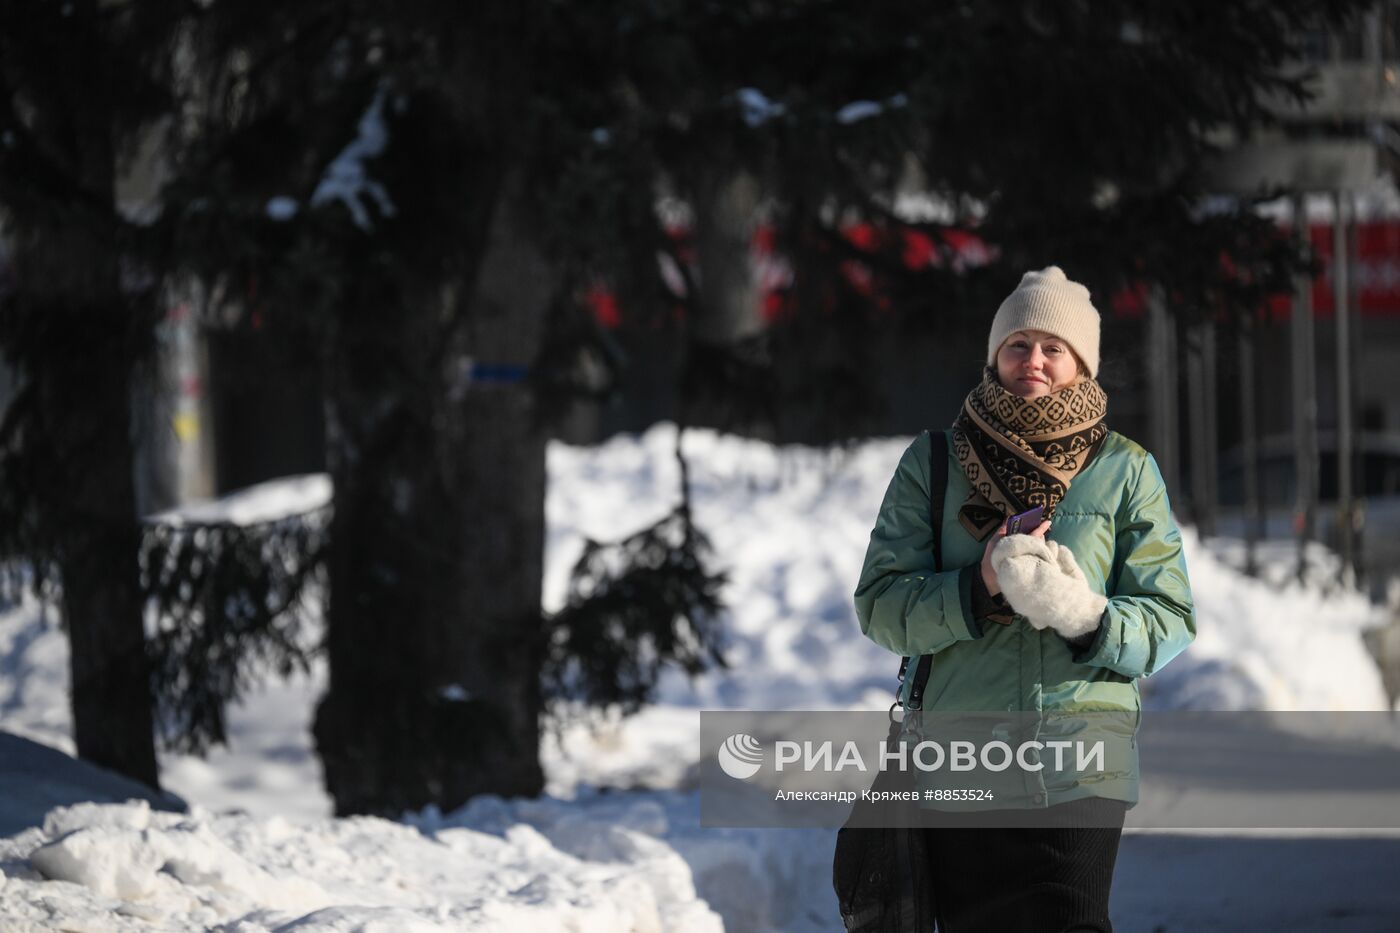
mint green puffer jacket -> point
(1117, 521)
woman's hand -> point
(989, 574)
(1045, 585)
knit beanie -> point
(1048, 301)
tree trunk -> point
(112, 721)
(727, 379)
(437, 548)
(434, 627)
(726, 216)
(85, 346)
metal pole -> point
(1341, 292)
(1161, 405)
(1156, 374)
(1200, 371)
(1357, 339)
(1304, 397)
(1171, 398)
(1210, 426)
(1249, 467)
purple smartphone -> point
(1027, 520)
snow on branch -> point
(858, 110)
(347, 180)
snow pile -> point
(34, 676)
(757, 880)
(262, 502)
(128, 852)
(791, 527)
(1269, 645)
(119, 867)
(34, 779)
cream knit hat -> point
(1048, 301)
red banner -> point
(1374, 272)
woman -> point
(1061, 620)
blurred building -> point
(1321, 375)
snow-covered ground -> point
(258, 851)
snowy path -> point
(1206, 883)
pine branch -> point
(635, 607)
(229, 602)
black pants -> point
(1028, 880)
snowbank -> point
(758, 880)
(120, 867)
(1269, 643)
(34, 779)
(791, 526)
(263, 502)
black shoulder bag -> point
(881, 870)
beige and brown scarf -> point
(1022, 452)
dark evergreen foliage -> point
(80, 85)
(636, 606)
(1075, 133)
(432, 443)
(229, 601)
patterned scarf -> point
(1019, 453)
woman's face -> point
(1032, 363)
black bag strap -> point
(937, 491)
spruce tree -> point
(416, 188)
(80, 85)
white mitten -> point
(1042, 582)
